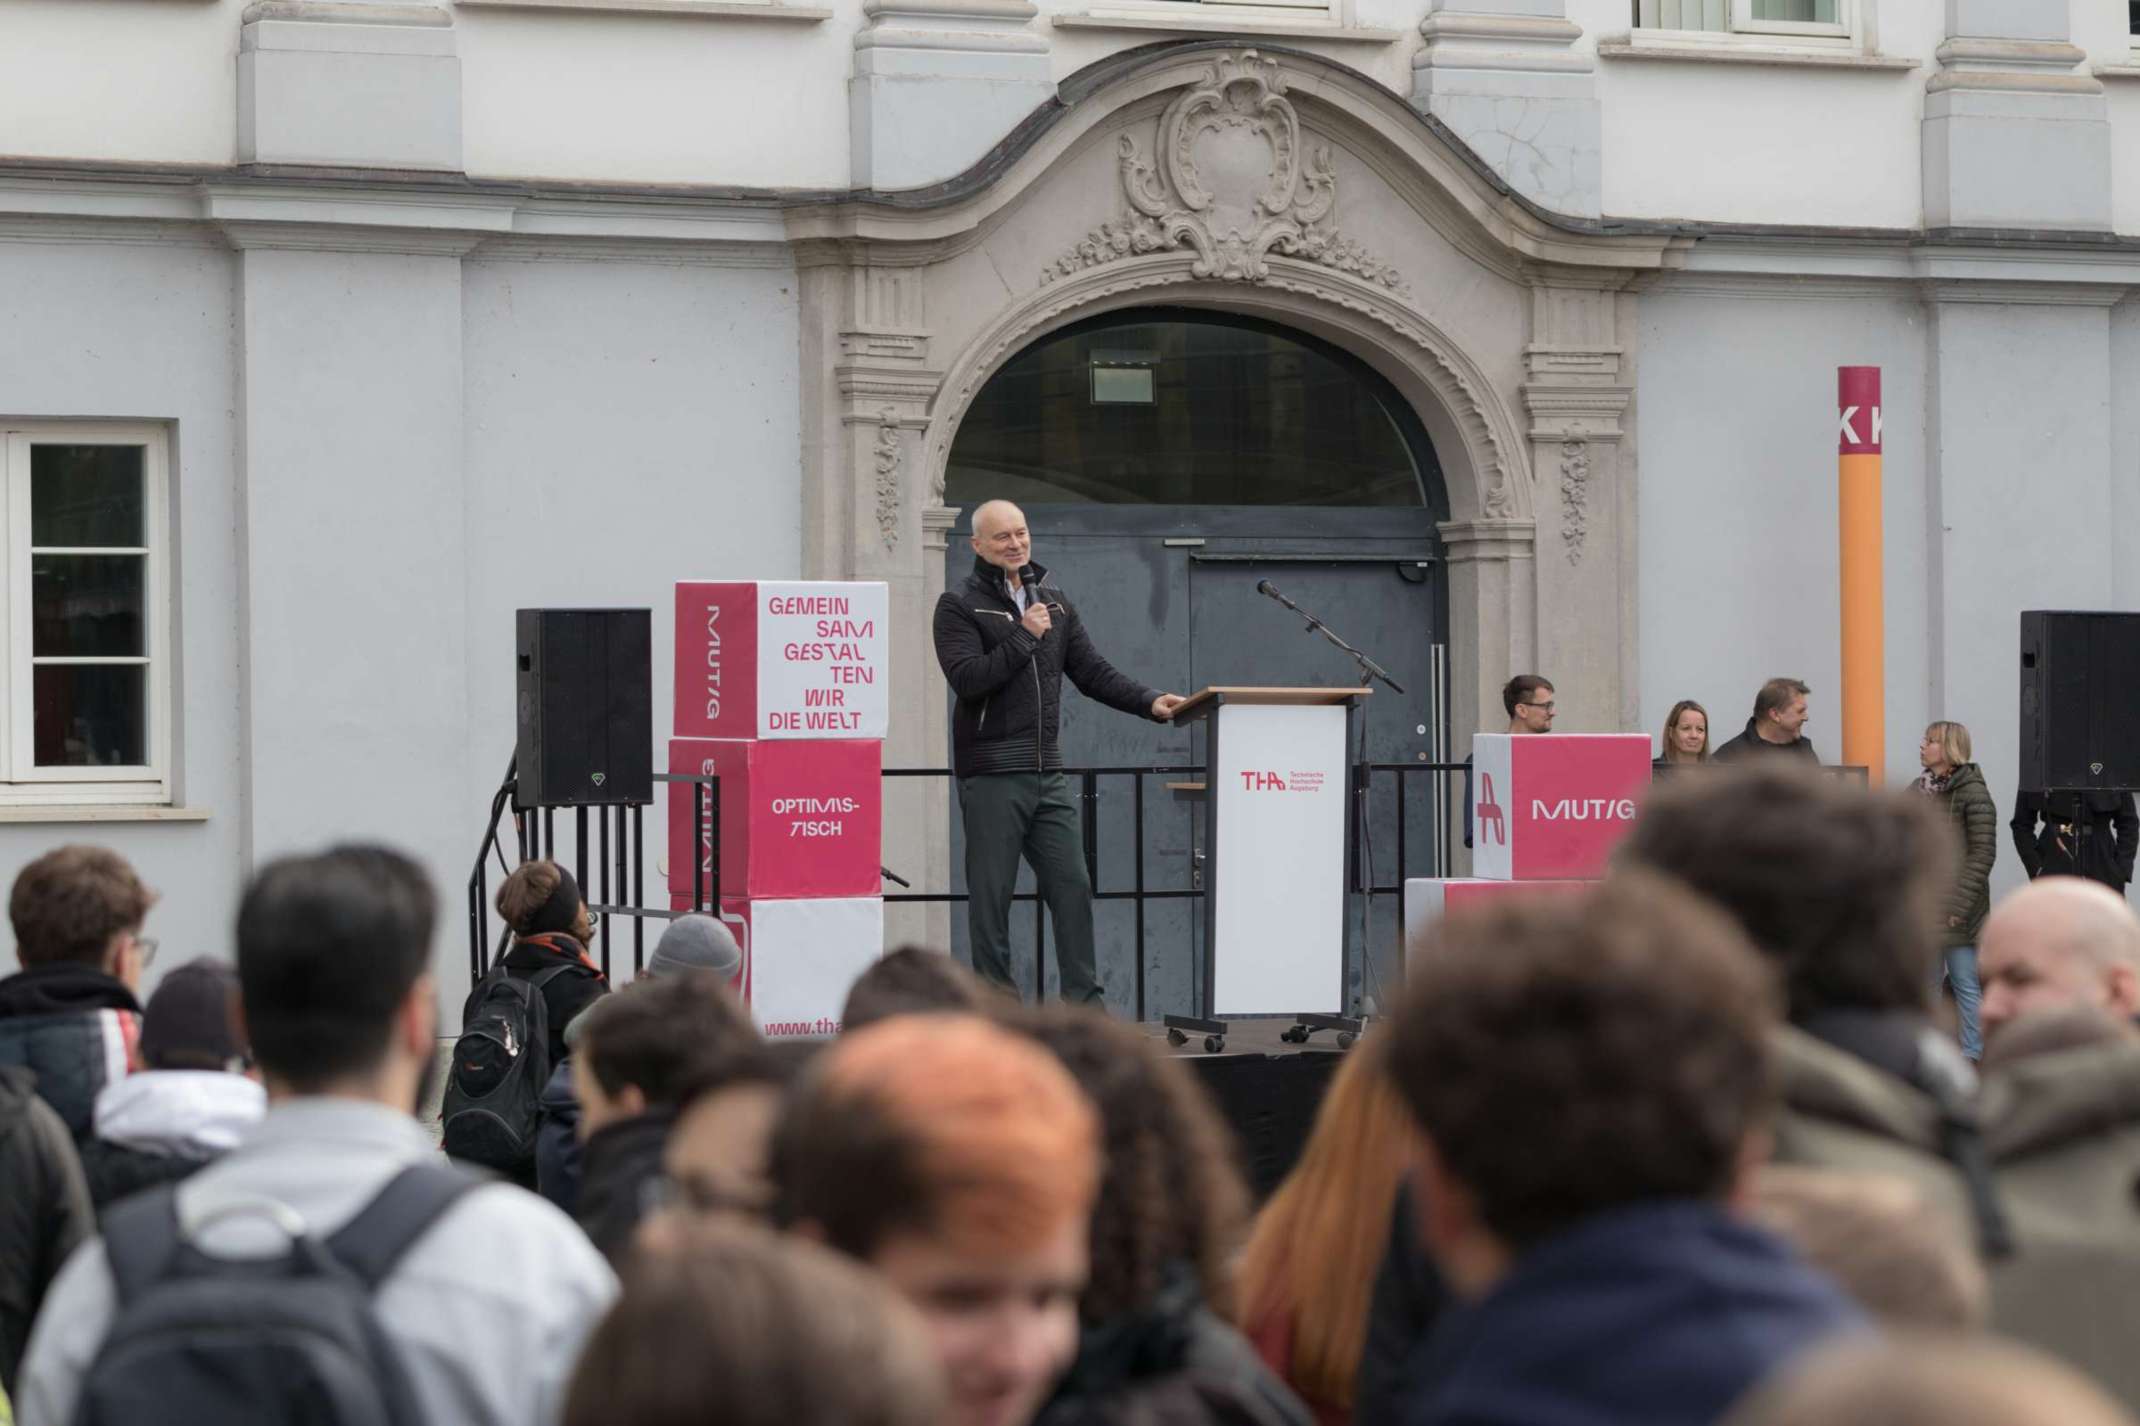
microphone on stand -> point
(1270, 590)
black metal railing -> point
(534, 834)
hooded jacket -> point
(1888, 1094)
(158, 1126)
(2063, 1131)
(73, 1026)
(44, 1210)
(1009, 684)
(1659, 1314)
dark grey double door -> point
(1169, 596)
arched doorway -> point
(1169, 459)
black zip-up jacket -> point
(1009, 684)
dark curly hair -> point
(1836, 883)
(1567, 1055)
(1170, 1193)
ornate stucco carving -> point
(888, 458)
(1230, 181)
(1574, 497)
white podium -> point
(1277, 796)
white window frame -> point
(1740, 18)
(22, 782)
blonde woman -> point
(1686, 737)
(1309, 1268)
(1958, 785)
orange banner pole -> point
(1864, 633)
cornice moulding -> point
(347, 12)
(765, 10)
(1141, 22)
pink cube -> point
(797, 818)
(782, 659)
(1551, 807)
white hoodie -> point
(194, 1112)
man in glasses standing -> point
(1528, 700)
(70, 1015)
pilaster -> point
(1506, 78)
(2016, 133)
(1575, 396)
(937, 83)
(349, 83)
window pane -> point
(1803, 12)
(92, 715)
(86, 495)
(1181, 412)
(84, 606)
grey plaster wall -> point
(1738, 554)
(2024, 503)
(142, 331)
(628, 425)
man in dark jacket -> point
(1777, 728)
(44, 1211)
(70, 1015)
(1005, 638)
(1601, 1277)
(637, 1055)
(2091, 834)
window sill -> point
(29, 812)
(697, 9)
(1746, 49)
(2128, 70)
(1207, 23)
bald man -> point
(2057, 943)
(1005, 638)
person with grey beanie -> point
(690, 942)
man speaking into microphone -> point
(1005, 638)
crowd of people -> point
(1688, 1147)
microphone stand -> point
(1348, 1027)
(1369, 669)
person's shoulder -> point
(499, 1236)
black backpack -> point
(198, 1340)
(500, 1064)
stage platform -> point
(1267, 1089)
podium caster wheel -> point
(1346, 1039)
(1176, 1038)
(1296, 1035)
(1214, 1043)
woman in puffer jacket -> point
(1958, 784)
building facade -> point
(333, 331)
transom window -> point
(1168, 407)
(1812, 18)
(85, 679)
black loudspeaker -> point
(585, 685)
(2080, 701)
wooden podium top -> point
(1207, 700)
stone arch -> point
(1484, 459)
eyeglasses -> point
(1547, 705)
(145, 946)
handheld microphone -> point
(1029, 576)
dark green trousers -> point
(1032, 815)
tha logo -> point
(1252, 781)
(1491, 820)
(600, 778)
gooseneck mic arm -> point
(1369, 669)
